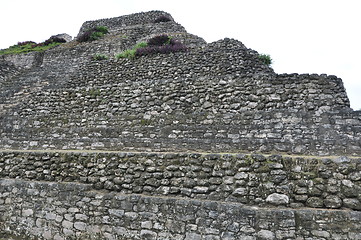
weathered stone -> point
(240, 192)
(323, 234)
(352, 203)
(266, 235)
(67, 224)
(116, 212)
(58, 237)
(28, 212)
(147, 234)
(277, 199)
(175, 226)
(47, 235)
(80, 226)
(50, 216)
(349, 189)
(81, 217)
(315, 202)
(203, 99)
(333, 202)
(64, 36)
(193, 236)
(68, 232)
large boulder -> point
(63, 36)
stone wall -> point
(119, 23)
(216, 97)
(59, 211)
(7, 71)
(117, 195)
(248, 179)
(53, 68)
(183, 101)
(23, 61)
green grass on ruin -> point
(21, 49)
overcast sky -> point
(302, 36)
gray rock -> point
(64, 36)
(278, 199)
(315, 202)
(28, 212)
(240, 192)
(342, 159)
(323, 234)
(265, 235)
(193, 236)
(147, 234)
(67, 224)
(352, 203)
(80, 226)
(333, 202)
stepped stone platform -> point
(209, 143)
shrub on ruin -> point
(102, 29)
(93, 34)
(161, 44)
(54, 40)
(178, 47)
(162, 19)
(50, 41)
(265, 58)
(130, 53)
(25, 43)
(159, 40)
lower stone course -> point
(253, 179)
(49, 210)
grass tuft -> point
(130, 53)
(99, 57)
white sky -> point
(302, 36)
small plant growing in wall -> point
(99, 57)
(93, 34)
(265, 58)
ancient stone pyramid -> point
(184, 145)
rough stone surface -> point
(151, 217)
(215, 97)
(265, 235)
(277, 199)
(251, 179)
(133, 135)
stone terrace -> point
(189, 145)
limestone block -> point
(277, 199)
